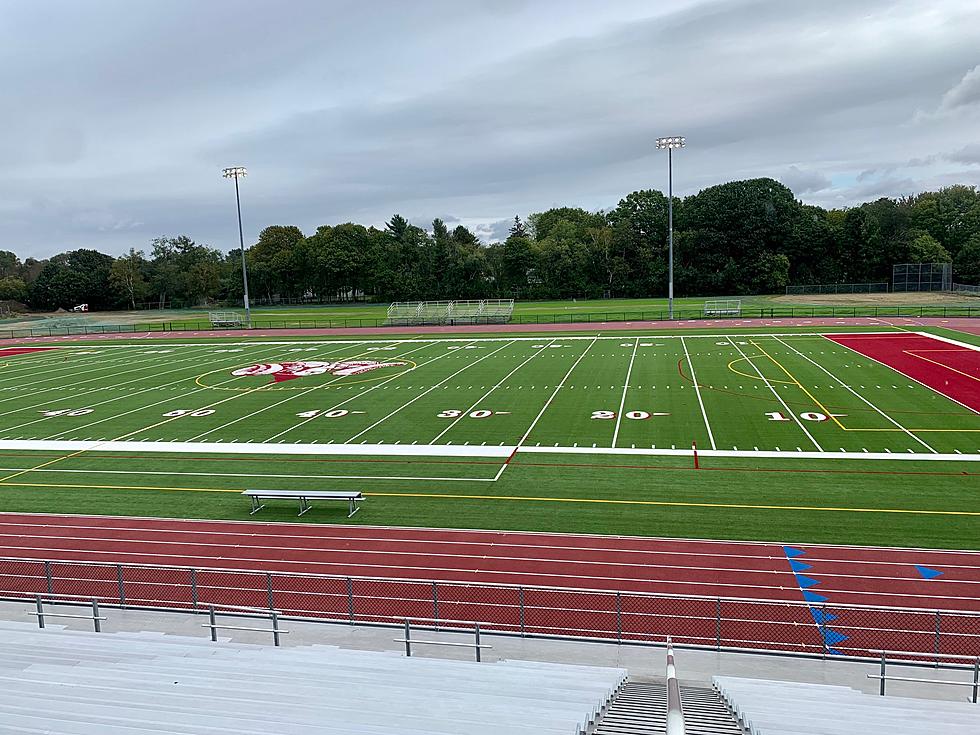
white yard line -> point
(858, 395)
(426, 392)
(296, 394)
(252, 475)
(555, 393)
(168, 399)
(697, 390)
(626, 385)
(125, 396)
(779, 398)
(484, 396)
(304, 422)
(110, 369)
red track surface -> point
(947, 368)
(10, 351)
(477, 574)
(964, 324)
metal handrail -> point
(214, 627)
(675, 708)
(475, 645)
(500, 585)
(40, 614)
(882, 675)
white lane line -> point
(858, 395)
(555, 393)
(482, 398)
(426, 392)
(622, 400)
(779, 398)
(298, 394)
(697, 390)
(770, 550)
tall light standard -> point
(234, 172)
(669, 144)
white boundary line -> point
(778, 397)
(825, 329)
(856, 394)
(697, 390)
(626, 385)
(436, 450)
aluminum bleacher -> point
(481, 311)
(783, 708)
(58, 681)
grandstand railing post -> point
(476, 636)
(881, 685)
(435, 604)
(214, 624)
(619, 617)
(40, 611)
(350, 600)
(274, 616)
(120, 587)
(194, 588)
(520, 609)
(268, 591)
(717, 623)
(95, 615)
(47, 577)
(976, 678)
(408, 638)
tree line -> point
(738, 238)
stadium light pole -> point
(234, 172)
(669, 144)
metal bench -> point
(353, 497)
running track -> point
(807, 593)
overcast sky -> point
(117, 117)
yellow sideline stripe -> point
(444, 496)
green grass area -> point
(174, 410)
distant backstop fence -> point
(791, 627)
(836, 288)
(922, 277)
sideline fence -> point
(599, 317)
(836, 288)
(717, 623)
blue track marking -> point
(820, 616)
(928, 573)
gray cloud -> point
(804, 182)
(353, 111)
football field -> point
(427, 417)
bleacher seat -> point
(783, 708)
(59, 681)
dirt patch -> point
(878, 299)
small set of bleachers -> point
(476, 311)
(786, 708)
(57, 681)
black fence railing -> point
(599, 317)
(718, 623)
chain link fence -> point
(719, 623)
(599, 317)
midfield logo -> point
(281, 371)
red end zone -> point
(947, 368)
(11, 351)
